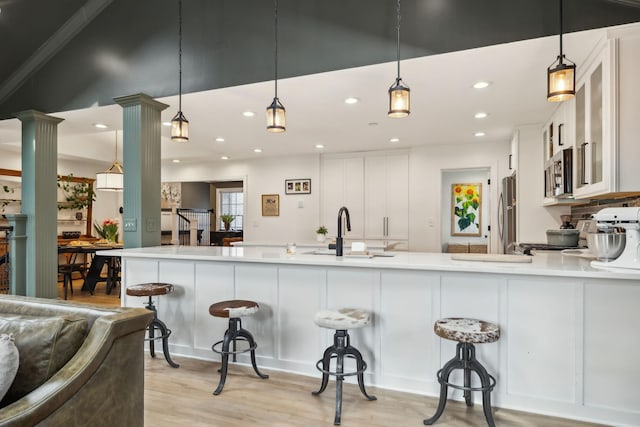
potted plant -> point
(108, 230)
(227, 219)
(321, 233)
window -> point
(231, 201)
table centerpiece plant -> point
(108, 230)
(227, 219)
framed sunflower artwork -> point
(466, 208)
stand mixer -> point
(629, 219)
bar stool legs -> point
(157, 324)
(232, 334)
(340, 349)
(466, 332)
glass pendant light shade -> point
(180, 124)
(399, 104)
(399, 100)
(561, 81)
(561, 77)
(276, 117)
(180, 128)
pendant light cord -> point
(275, 56)
(398, 36)
(116, 146)
(180, 55)
(561, 55)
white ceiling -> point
(443, 104)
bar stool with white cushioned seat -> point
(466, 332)
(234, 310)
(341, 320)
(151, 290)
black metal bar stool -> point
(466, 332)
(341, 320)
(150, 290)
(234, 310)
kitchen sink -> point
(348, 254)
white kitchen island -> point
(569, 344)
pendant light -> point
(398, 92)
(180, 124)
(112, 178)
(276, 116)
(561, 77)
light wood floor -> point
(184, 396)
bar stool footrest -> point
(159, 337)
(219, 343)
(461, 387)
(344, 374)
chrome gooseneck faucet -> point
(339, 238)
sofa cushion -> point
(8, 363)
(45, 345)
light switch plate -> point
(130, 224)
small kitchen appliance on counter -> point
(628, 218)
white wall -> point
(266, 176)
(107, 203)
(533, 219)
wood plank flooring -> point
(183, 396)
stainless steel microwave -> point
(558, 174)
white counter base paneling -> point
(568, 346)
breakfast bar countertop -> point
(542, 264)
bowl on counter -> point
(565, 237)
(606, 246)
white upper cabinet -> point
(343, 185)
(386, 197)
(606, 119)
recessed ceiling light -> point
(351, 100)
(219, 139)
(373, 124)
(481, 85)
(166, 124)
(100, 125)
(224, 157)
(176, 161)
(480, 115)
(248, 114)
(319, 146)
(257, 150)
(394, 140)
(479, 134)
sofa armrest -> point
(110, 361)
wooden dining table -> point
(93, 275)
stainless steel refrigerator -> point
(507, 214)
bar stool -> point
(150, 290)
(234, 310)
(466, 332)
(341, 320)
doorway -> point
(466, 218)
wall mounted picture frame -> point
(270, 205)
(466, 209)
(297, 186)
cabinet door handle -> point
(584, 163)
(510, 157)
(384, 226)
(387, 228)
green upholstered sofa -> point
(85, 362)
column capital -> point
(140, 98)
(33, 115)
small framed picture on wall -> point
(297, 186)
(270, 205)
